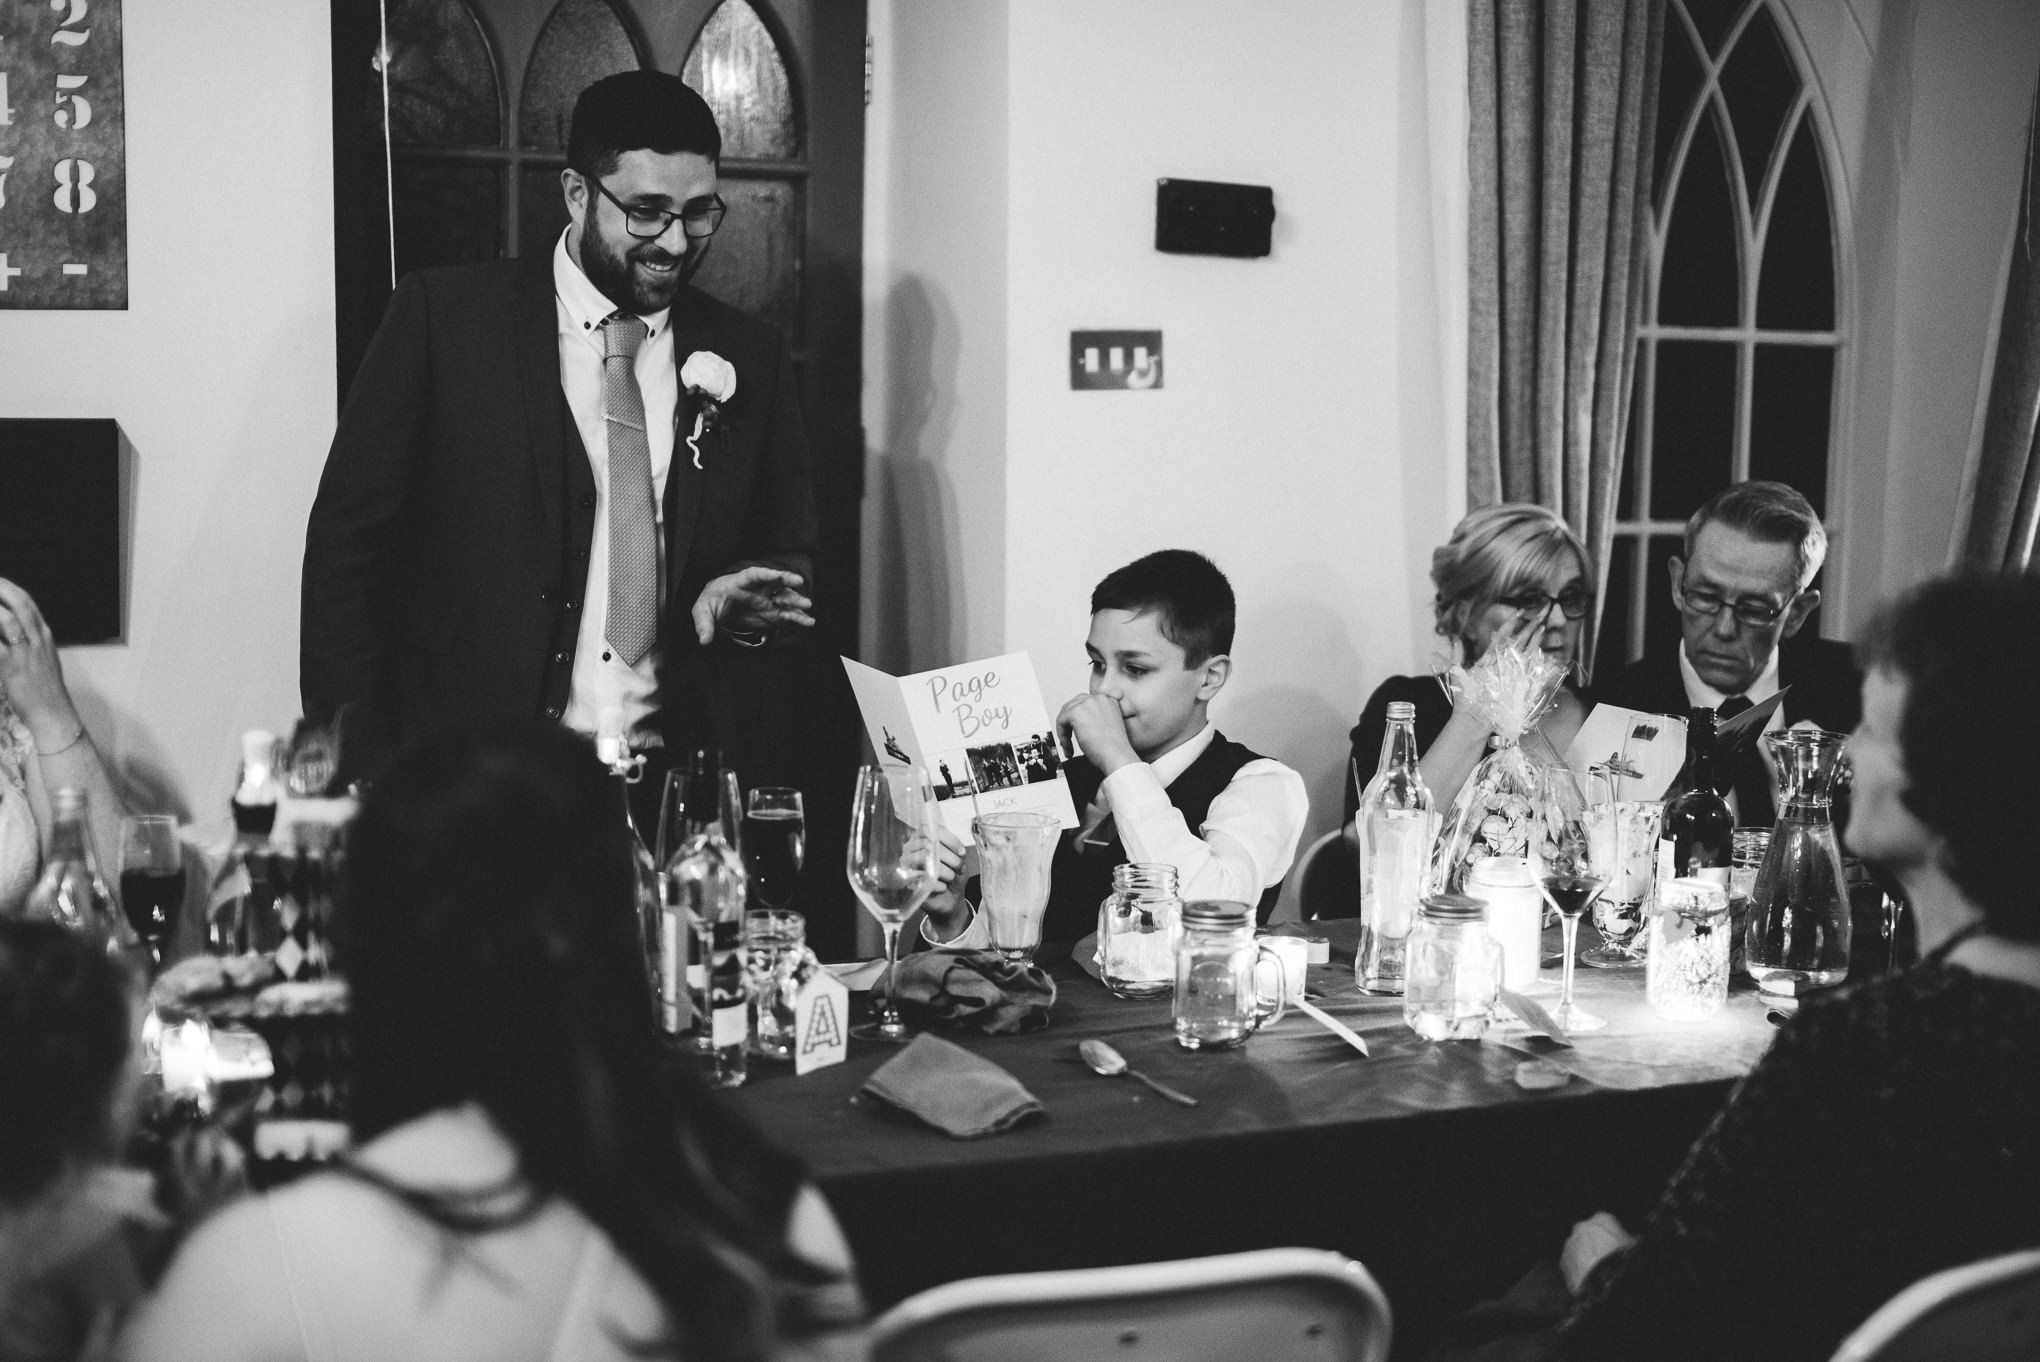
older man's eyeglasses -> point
(698, 218)
(1749, 610)
(1574, 602)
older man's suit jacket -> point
(1826, 689)
(446, 559)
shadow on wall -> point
(917, 546)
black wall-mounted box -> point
(1205, 217)
(60, 522)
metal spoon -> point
(1105, 1060)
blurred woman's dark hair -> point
(1968, 648)
(64, 1037)
(489, 931)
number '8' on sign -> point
(74, 186)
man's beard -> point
(628, 287)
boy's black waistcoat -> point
(1080, 880)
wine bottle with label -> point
(1698, 841)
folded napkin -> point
(977, 990)
(952, 1089)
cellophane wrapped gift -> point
(1510, 688)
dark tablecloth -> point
(1426, 1162)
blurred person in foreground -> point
(78, 1234)
(1893, 1128)
(533, 1178)
(1515, 572)
(43, 748)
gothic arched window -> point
(1738, 349)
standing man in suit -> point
(570, 486)
(1742, 590)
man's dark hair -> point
(1191, 598)
(1968, 647)
(1770, 513)
(63, 1042)
(639, 111)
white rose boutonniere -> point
(713, 381)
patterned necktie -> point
(633, 531)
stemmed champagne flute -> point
(891, 866)
(1571, 879)
(775, 844)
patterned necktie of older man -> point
(633, 529)
(1747, 769)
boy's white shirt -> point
(1249, 836)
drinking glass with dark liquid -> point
(775, 844)
(151, 879)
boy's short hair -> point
(639, 111)
(1192, 600)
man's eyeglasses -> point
(1574, 602)
(1757, 614)
(698, 218)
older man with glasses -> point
(1743, 589)
(570, 486)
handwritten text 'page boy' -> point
(980, 731)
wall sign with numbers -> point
(63, 155)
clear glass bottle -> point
(1797, 937)
(708, 883)
(1397, 826)
(615, 753)
(1138, 925)
(1455, 969)
(71, 891)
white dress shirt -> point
(605, 694)
(1246, 843)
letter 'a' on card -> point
(979, 729)
(821, 1023)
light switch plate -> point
(1116, 359)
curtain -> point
(2004, 505)
(1562, 105)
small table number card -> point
(63, 153)
(821, 1023)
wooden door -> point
(449, 131)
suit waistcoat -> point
(1081, 879)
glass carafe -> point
(1797, 936)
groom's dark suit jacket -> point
(446, 559)
(1826, 689)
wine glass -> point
(1571, 881)
(775, 843)
(891, 866)
(151, 879)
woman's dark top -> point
(1892, 1130)
(1433, 712)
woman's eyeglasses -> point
(1574, 602)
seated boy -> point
(1157, 782)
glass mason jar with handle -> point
(1228, 985)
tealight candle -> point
(1294, 952)
(186, 1049)
(1515, 917)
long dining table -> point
(1429, 1162)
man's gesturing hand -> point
(751, 600)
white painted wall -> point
(1301, 435)
(1929, 101)
(220, 374)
